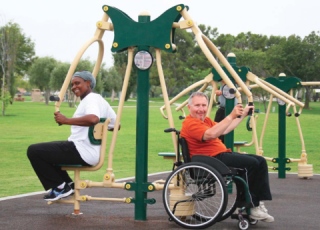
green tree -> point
(57, 78)
(40, 74)
(23, 82)
(112, 81)
(225, 42)
(256, 61)
(175, 64)
(298, 57)
(120, 62)
(16, 55)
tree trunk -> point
(3, 90)
(71, 99)
(46, 96)
(112, 95)
(308, 92)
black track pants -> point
(44, 156)
(257, 173)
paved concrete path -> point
(295, 206)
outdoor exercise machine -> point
(287, 85)
(161, 36)
(159, 33)
(274, 87)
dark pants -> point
(257, 173)
(44, 156)
(220, 115)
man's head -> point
(198, 105)
(86, 76)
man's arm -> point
(227, 124)
(87, 120)
(237, 121)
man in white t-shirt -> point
(78, 150)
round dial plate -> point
(226, 92)
(143, 60)
(280, 102)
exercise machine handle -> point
(53, 98)
(250, 110)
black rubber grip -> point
(53, 98)
(239, 116)
(181, 117)
(250, 110)
(169, 130)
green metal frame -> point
(285, 84)
(242, 72)
(143, 34)
(156, 33)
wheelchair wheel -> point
(232, 197)
(195, 195)
(244, 224)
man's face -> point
(198, 108)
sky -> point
(59, 28)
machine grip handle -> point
(239, 116)
(53, 98)
(168, 130)
(250, 110)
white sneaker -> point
(269, 219)
(262, 207)
(257, 214)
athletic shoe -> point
(262, 207)
(56, 193)
(257, 214)
(270, 218)
(71, 184)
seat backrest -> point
(95, 132)
(101, 135)
(213, 162)
(185, 150)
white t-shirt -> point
(92, 104)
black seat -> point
(185, 150)
(213, 162)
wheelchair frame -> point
(195, 194)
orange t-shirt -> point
(193, 130)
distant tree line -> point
(265, 56)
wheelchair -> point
(202, 191)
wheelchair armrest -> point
(213, 162)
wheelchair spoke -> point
(199, 198)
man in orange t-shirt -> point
(201, 134)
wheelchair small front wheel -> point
(194, 195)
(243, 224)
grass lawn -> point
(27, 123)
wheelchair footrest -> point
(236, 216)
